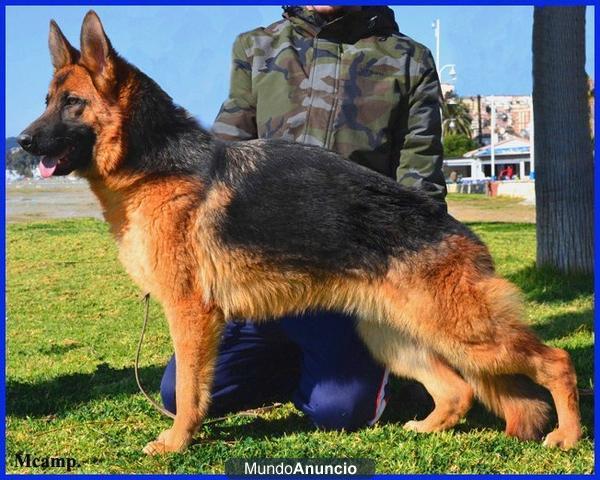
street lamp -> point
(451, 72)
(436, 31)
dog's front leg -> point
(195, 329)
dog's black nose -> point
(25, 140)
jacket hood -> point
(347, 28)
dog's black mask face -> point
(60, 136)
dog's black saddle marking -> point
(306, 208)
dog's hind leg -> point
(552, 368)
(195, 329)
(452, 396)
(495, 345)
(450, 300)
(516, 350)
(562, 383)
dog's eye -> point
(47, 99)
(73, 101)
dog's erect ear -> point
(62, 52)
(97, 54)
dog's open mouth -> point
(49, 164)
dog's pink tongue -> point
(47, 166)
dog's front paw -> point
(563, 438)
(168, 441)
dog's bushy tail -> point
(516, 399)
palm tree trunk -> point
(564, 184)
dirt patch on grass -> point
(476, 210)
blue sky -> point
(187, 49)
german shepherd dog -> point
(262, 229)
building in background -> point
(477, 164)
(514, 114)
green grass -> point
(72, 327)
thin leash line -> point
(164, 411)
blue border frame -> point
(271, 2)
(3, 242)
(596, 250)
(5, 3)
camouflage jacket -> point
(354, 85)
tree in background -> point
(456, 118)
(456, 145)
(564, 184)
(21, 162)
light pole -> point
(436, 31)
(452, 68)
